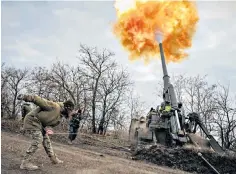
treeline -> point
(103, 90)
(97, 84)
(214, 102)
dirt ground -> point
(80, 158)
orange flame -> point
(139, 20)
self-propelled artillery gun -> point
(168, 125)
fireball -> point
(138, 21)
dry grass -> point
(11, 125)
(113, 139)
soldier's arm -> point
(71, 115)
(42, 103)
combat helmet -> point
(69, 104)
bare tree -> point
(40, 84)
(5, 95)
(15, 84)
(113, 85)
(93, 64)
(117, 119)
(225, 117)
(69, 83)
(199, 97)
(62, 78)
(179, 82)
(4, 76)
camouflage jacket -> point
(47, 113)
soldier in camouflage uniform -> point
(74, 125)
(46, 114)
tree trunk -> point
(105, 128)
(94, 104)
(227, 142)
(93, 112)
(14, 106)
(222, 137)
(131, 118)
(130, 129)
(102, 121)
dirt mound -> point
(187, 159)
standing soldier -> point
(74, 125)
(149, 116)
(37, 122)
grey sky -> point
(38, 33)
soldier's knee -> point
(34, 146)
(47, 143)
(37, 137)
(36, 142)
(46, 139)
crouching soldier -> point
(46, 114)
(74, 125)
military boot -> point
(55, 160)
(28, 166)
(22, 131)
(69, 142)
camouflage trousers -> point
(22, 127)
(39, 137)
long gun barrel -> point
(166, 77)
(168, 91)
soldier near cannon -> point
(74, 125)
(38, 122)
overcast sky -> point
(38, 33)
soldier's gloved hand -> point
(20, 97)
(49, 131)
